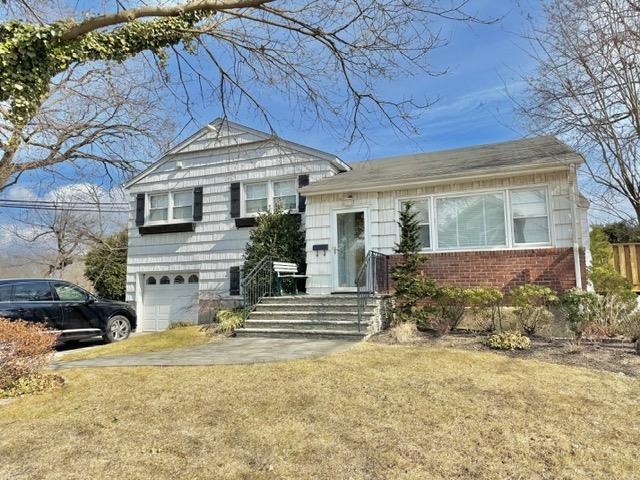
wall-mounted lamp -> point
(347, 201)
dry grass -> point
(376, 412)
(151, 342)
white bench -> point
(286, 270)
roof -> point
(497, 159)
(258, 137)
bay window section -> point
(284, 193)
(471, 221)
(182, 205)
(530, 216)
(256, 197)
(158, 208)
(421, 207)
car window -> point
(5, 293)
(69, 293)
(32, 292)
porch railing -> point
(373, 277)
(258, 283)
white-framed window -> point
(168, 207)
(506, 218)
(471, 221)
(530, 216)
(261, 196)
(421, 207)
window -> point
(256, 197)
(182, 206)
(151, 281)
(69, 293)
(471, 221)
(421, 207)
(165, 280)
(5, 293)
(158, 208)
(178, 280)
(193, 279)
(32, 292)
(530, 216)
(284, 192)
(259, 197)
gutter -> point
(574, 196)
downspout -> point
(574, 196)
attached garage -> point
(169, 298)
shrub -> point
(228, 321)
(532, 306)
(508, 341)
(450, 304)
(611, 313)
(404, 333)
(485, 304)
(106, 266)
(631, 328)
(578, 308)
(605, 278)
(180, 324)
(25, 350)
(411, 287)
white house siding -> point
(382, 211)
(216, 245)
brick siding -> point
(505, 269)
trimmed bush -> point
(450, 304)
(25, 350)
(485, 304)
(508, 341)
(532, 304)
(578, 308)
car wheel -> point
(118, 328)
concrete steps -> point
(309, 316)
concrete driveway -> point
(226, 352)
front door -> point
(350, 247)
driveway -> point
(227, 352)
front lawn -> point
(149, 342)
(376, 411)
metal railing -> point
(256, 284)
(372, 278)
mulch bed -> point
(613, 355)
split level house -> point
(499, 215)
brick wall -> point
(505, 269)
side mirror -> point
(91, 299)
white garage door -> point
(169, 298)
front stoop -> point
(313, 316)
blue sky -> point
(473, 106)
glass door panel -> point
(350, 247)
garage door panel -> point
(168, 303)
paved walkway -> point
(227, 352)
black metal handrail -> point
(258, 283)
(372, 278)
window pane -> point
(288, 203)
(529, 203)
(165, 281)
(531, 230)
(180, 213)
(182, 199)
(255, 206)
(178, 280)
(422, 209)
(33, 292)
(193, 279)
(158, 214)
(284, 188)
(151, 281)
(255, 191)
(471, 221)
(158, 201)
(68, 293)
(425, 241)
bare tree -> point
(325, 58)
(586, 89)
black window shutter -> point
(235, 200)
(234, 281)
(140, 209)
(197, 204)
(303, 181)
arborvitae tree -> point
(279, 235)
(411, 287)
(602, 273)
(106, 266)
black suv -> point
(63, 306)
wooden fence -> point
(625, 258)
